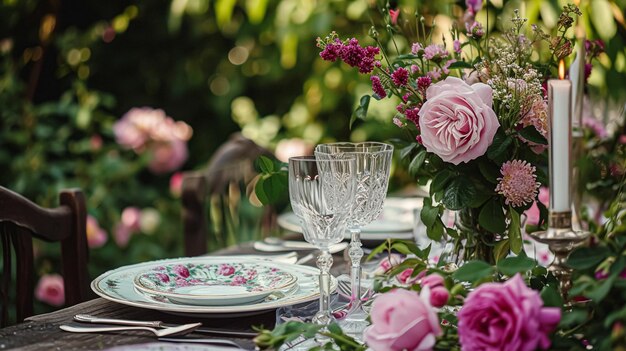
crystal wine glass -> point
(319, 190)
(373, 161)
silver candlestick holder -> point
(561, 239)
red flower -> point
(394, 16)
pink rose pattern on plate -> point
(252, 277)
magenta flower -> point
(506, 316)
(457, 122)
(182, 271)
(226, 270)
(457, 46)
(474, 5)
(402, 320)
(332, 51)
(596, 126)
(377, 87)
(424, 82)
(50, 289)
(432, 281)
(406, 278)
(435, 52)
(518, 183)
(362, 57)
(393, 14)
(400, 77)
(412, 114)
(439, 296)
(475, 30)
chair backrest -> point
(20, 220)
(215, 200)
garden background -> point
(69, 69)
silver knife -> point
(85, 318)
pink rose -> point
(457, 122)
(182, 271)
(405, 277)
(439, 296)
(402, 320)
(226, 270)
(168, 156)
(239, 280)
(506, 316)
(121, 234)
(130, 218)
(387, 263)
(432, 281)
(96, 236)
(51, 290)
(176, 184)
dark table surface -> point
(42, 332)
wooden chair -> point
(20, 220)
(212, 198)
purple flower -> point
(377, 87)
(588, 69)
(457, 46)
(226, 270)
(424, 82)
(518, 183)
(475, 30)
(596, 126)
(446, 66)
(356, 56)
(400, 77)
(181, 270)
(412, 114)
(474, 5)
(417, 49)
(332, 51)
(435, 52)
(506, 316)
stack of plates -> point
(210, 285)
(397, 221)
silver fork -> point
(170, 331)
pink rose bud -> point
(51, 290)
(439, 296)
(432, 281)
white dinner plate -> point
(117, 286)
(216, 284)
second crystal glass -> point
(373, 161)
(321, 192)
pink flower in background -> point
(474, 30)
(622, 139)
(377, 87)
(388, 262)
(402, 320)
(457, 122)
(96, 236)
(435, 52)
(131, 217)
(95, 142)
(393, 14)
(457, 46)
(417, 49)
(50, 289)
(506, 316)
(474, 5)
(176, 184)
(287, 148)
(439, 296)
(121, 235)
(596, 126)
(151, 130)
(400, 77)
(533, 213)
(406, 276)
(518, 183)
(168, 156)
(432, 281)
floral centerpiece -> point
(476, 113)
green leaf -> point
(473, 271)
(530, 133)
(461, 64)
(599, 292)
(501, 250)
(260, 191)
(361, 111)
(429, 214)
(459, 194)
(417, 162)
(435, 232)
(489, 171)
(602, 18)
(587, 257)
(572, 318)
(275, 187)
(491, 217)
(264, 164)
(518, 264)
(378, 249)
(441, 179)
(499, 148)
(406, 151)
(515, 231)
(551, 297)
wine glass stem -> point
(356, 253)
(324, 262)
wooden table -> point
(42, 332)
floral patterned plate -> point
(216, 284)
(117, 285)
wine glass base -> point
(355, 322)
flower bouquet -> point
(475, 111)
